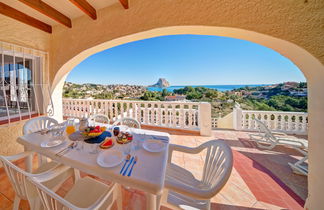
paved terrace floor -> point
(260, 179)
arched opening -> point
(308, 64)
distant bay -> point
(221, 88)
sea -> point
(221, 88)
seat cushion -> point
(86, 191)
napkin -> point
(98, 139)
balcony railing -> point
(287, 122)
(177, 115)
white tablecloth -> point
(148, 174)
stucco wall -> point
(21, 34)
(8, 136)
(226, 122)
(14, 32)
(295, 21)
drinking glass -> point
(127, 148)
(115, 130)
(70, 126)
(94, 148)
(80, 145)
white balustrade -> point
(280, 121)
(214, 122)
(179, 115)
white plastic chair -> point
(183, 189)
(87, 194)
(38, 124)
(300, 167)
(266, 139)
(98, 119)
(17, 177)
(130, 122)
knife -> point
(130, 163)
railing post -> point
(205, 119)
(237, 117)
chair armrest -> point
(103, 198)
(184, 149)
(190, 150)
(19, 156)
(50, 174)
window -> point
(21, 83)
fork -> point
(60, 153)
(68, 150)
(130, 171)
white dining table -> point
(148, 174)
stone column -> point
(237, 117)
(205, 119)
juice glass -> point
(70, 126)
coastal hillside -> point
(98, 91)
(288, 96)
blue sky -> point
(187, 60)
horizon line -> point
(187, 84)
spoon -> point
(126, 160)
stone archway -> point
(312, 68)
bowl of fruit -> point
(93, 131)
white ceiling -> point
(63, 6)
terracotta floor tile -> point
(24, 205)
(5, 203)
(6, 188)
(261, 205)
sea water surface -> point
(221, 88)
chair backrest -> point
(263, 129)
(37, 124)
(130, 122)
(49, 199)
(98, 118)
(17, 177)
(218, 166)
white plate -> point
(110, 158)
(52, 142)
(153, 145)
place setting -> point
(54, 136)
(119, 148)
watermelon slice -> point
(107, 143)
